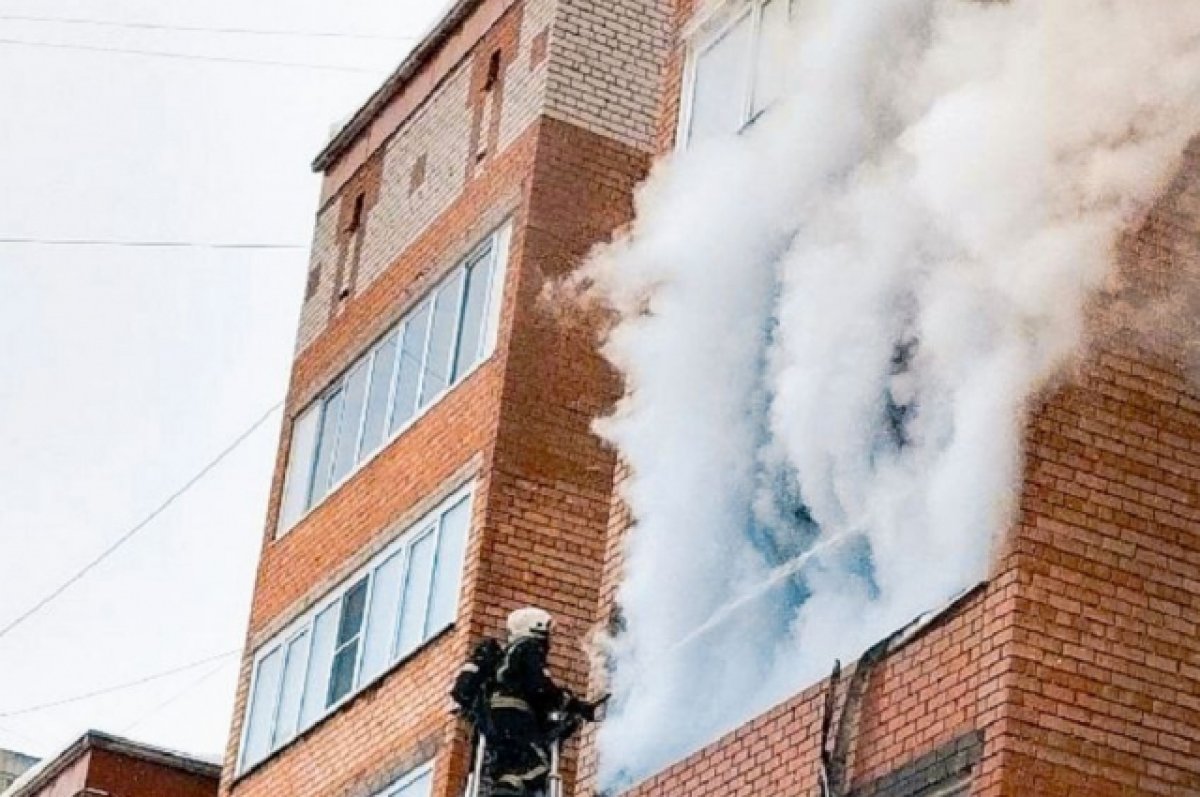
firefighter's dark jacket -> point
(523, 676)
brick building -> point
(101, 765)
(438, 437)
(438, 419)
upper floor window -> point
(405, 596)
(735, 68)
(427, 353)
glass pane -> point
(720, 82)
(355, 394)
(412, 362)
(441, 338)
(262, 709)
(416, 595)
(316, 685)
(381, 618)
(293, 690)
(418, 787)
(342, 680)
(353, 609)
(770, 66)
(377, 397)
(300, 464)
(353, 605)
(470, 336)
(447, 574)
(326, 445)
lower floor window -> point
(959, 787)
(418, 783)
(403, 597)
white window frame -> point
(954, 786)
(495, 246)
(429, 523)
(407, 779)
(706, 31)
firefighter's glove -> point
(585, 710)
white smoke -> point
(830, 326)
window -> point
(736, 68)
(958, 787)
(427, 353)
(418, 783)
(944, 772)
(402, 598)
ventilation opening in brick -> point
(539, 48)
(417, 176)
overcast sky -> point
(124, 371)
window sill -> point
(388, 443)
(343, 705)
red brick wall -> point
(404, 717)
(521, 422)
(126, 776)
(69, 782)
(1106, 672)
(940, 686)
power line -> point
(201, 29)
(146, 244)
(175, 698)
(120, 687)
(189, 56)
(128, 535)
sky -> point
(124, 371)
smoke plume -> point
(830, 326)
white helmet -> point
(529, 621)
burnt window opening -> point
(314, 282)
(493, 72)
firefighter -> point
(526, 712)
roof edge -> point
(52, 767)
(394, 84)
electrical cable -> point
(128, 535)
(108, 690)
(190, 56)
(170, 701)
(146, 244)
(201, 29)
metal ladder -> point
(554, 781)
